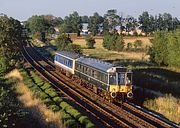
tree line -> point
(165, 50)
(11, 39)
(98, 24)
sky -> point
(23, 9)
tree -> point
(119, 43)
(105, 26)
(11, 41)
(94, 23)
(147, 22)
(130, 23)
(84, 19)
(137, 44)
(37, 24)
(173, 47)
(90, 41)
(74, 48)
(113, 42)
(113, 18)
(73, 23)
(129, 46)
(159, 52)
(62, 41)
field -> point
(104, 54)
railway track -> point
(96, 113)
(128, 113)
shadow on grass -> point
(158, 79)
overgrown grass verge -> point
(42, 89)
(168, 106)
(45, 116)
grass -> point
(168, 106)
(50, 98)
(100, 52)
(159, 79)
(35, 105)
(30, 101)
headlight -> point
(130, 95)
(113, 94)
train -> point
(113, 83)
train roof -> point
(71, 55)
(95, 63)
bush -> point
(48, 101)
(74, 48)
(90, 125)
(64, 105)
(83, 120)
(51, 92)
(57, 99)
(65, 116)
(167, 106)
(113, 42)
(73, 112)
(34, 89)
(71, 123)
(38, 81)
(137, 44)
(90, 41)
(129, 46)
(45, 86)
(43, 95)
(54, 107)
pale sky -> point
(23, 9)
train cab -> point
(120, 82)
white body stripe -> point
(69, 69)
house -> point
(85, 30)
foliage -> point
(40, 24)
(158, 52)
(137, 43)
(113, 42)
(45, 86)
(62, 41)
(94, 23)
(162, 22)
(11, 41)
(167, 105)
(165, 48)
(54, 102)
(57, 99)
(72, 23)
(90, 41)
(129, 46)
(74, 48)
(12, 111)
(173, 48)
(113, 18)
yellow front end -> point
(122, 88)
(118, 91)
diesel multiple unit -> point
(111, 81)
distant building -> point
(85, 30)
